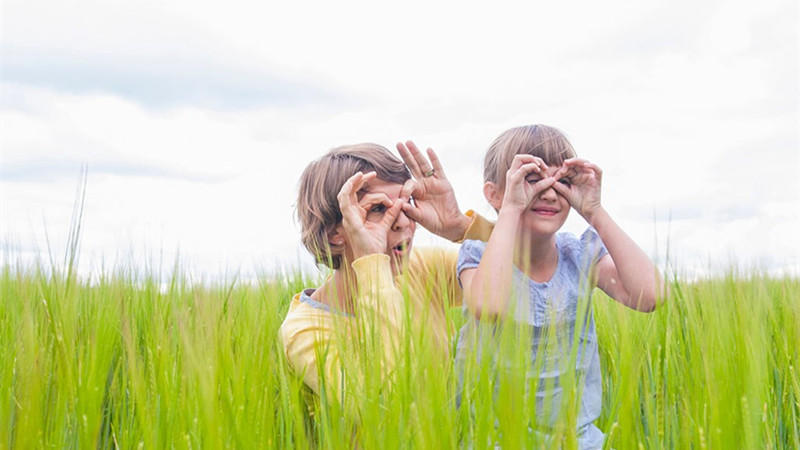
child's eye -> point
(565, 182)
(533, 180)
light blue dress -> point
(550, 313)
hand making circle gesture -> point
(525, 179)
(583, 190)
(367, 236)
(434, 206)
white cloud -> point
(196, 118)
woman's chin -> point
(399, 263)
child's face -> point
(548, 210)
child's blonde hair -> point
(543, 141)
(317, 207)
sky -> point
(195, 119)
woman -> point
(357, 217)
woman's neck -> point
(537, 257)
(338, 290)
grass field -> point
(132, 361)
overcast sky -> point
(196, 118)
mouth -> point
(545, 211)
(402, 248)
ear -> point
(493, 195)
(337, 237)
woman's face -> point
(400, 235)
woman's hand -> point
(367, 237)
(583, 189)
(434, 206)
(526, 179)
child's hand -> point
(583, 189)
(365, 236)
(435, 206)
(520, 191)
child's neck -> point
(338, 290)
(537, 257)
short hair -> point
(546, 142)
(317, 207)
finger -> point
(544, 184)
(369, 201)
(392, 213)
(525, 158)
(598, 172)
(408, 158)
(562, 189)
(571, 162)
(413, 212)
(437, 165)
(348, 188)
(408, 189)
(562, 172)
(419, 158)
(525, 170)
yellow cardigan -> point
(310, 333)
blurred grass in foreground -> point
(131, 361)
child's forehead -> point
(551, 170)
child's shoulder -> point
(589, 243)
(470, 253)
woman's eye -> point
(565, 182)
(378, 208)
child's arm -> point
(487, 288)
(626, 274)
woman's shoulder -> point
(426, 259)
(303, 310)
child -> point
(532, 275)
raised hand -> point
(435, 206)
(583, 189)
(366, 236)
(525, 179)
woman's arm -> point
(335, 353)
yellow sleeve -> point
(437, 266)
(437, 269)
(307, 335)
(345, 348)
(479, 229)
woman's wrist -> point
(458, 231)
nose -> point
(549, 194)
(401, 221)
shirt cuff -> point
(479, 229)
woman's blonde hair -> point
(543, 141)
(317, 207)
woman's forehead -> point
(380, 186)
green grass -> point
(133, 361)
